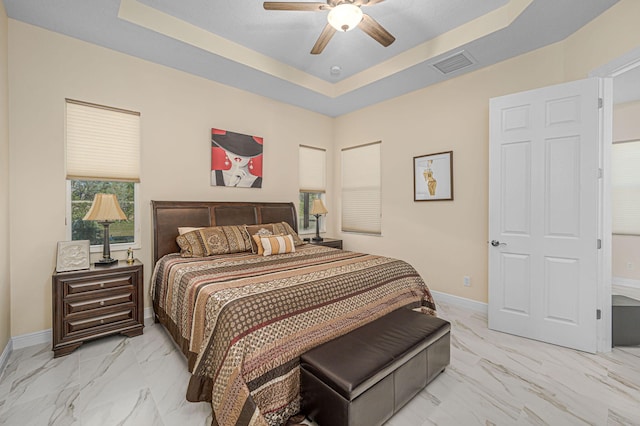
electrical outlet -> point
(467, 281)
(629, 266)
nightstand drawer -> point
(75, 305)
(96, 302)
(123, 314)
(78, 286)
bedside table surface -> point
(97, 269)
(328, 242)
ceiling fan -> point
(344, 15)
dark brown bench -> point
(367, 375)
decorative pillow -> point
(258, 230)
(286, 229)
(184, 229)
(277, 244)
(191, 244)
(237, 238)
(213, 240)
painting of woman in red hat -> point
(236, 159)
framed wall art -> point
(72, 255)
(236, 159)
(433, 177)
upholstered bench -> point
(365, 376)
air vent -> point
(454, 63)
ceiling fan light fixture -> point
(345, 17)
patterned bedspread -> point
(243, 320)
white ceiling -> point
(238, 43)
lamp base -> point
(317, 239)
(105, 262)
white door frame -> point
(607, 72)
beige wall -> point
(626, 121)
(5, 294)
(177, 113)
(443, 240)
(604, 39)
(626, 248)
(447, 240)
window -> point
(625, 180)
(102, 156)
(82, 193)
(361, 198)
(312, 176)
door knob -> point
(497, 243)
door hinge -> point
(598, 314)
(599, 244)
(600, 103)
(600, 173)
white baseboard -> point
(460, 301)
(4, 358)
(625, 282)
(148, 316)
(46, 336)
(32, 339)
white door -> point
(543, 214)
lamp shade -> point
(345, 17)
(318, 207)
(105, 207)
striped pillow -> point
(257, 231)
(277, 244)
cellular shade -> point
(102, 143)
(625, 181)
(361, 198)
(313, 169)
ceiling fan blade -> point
(368, 2)
(323, 40)
(375, 30)
(296, 5)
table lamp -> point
(105, 210)
(317, 210)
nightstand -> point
(328, 242)
(96, 302)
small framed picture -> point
(72, 255)
(433, 177)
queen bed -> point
(243, 319)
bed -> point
(242, 319)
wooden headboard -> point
(169, 215)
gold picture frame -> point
(72, 255)
(433, 177)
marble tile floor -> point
(493, 379)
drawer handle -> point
(102, 303)
(101, 285)
(101, 321)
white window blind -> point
(625, 180)
(361, 198)
(313, 169)
(102, 143)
